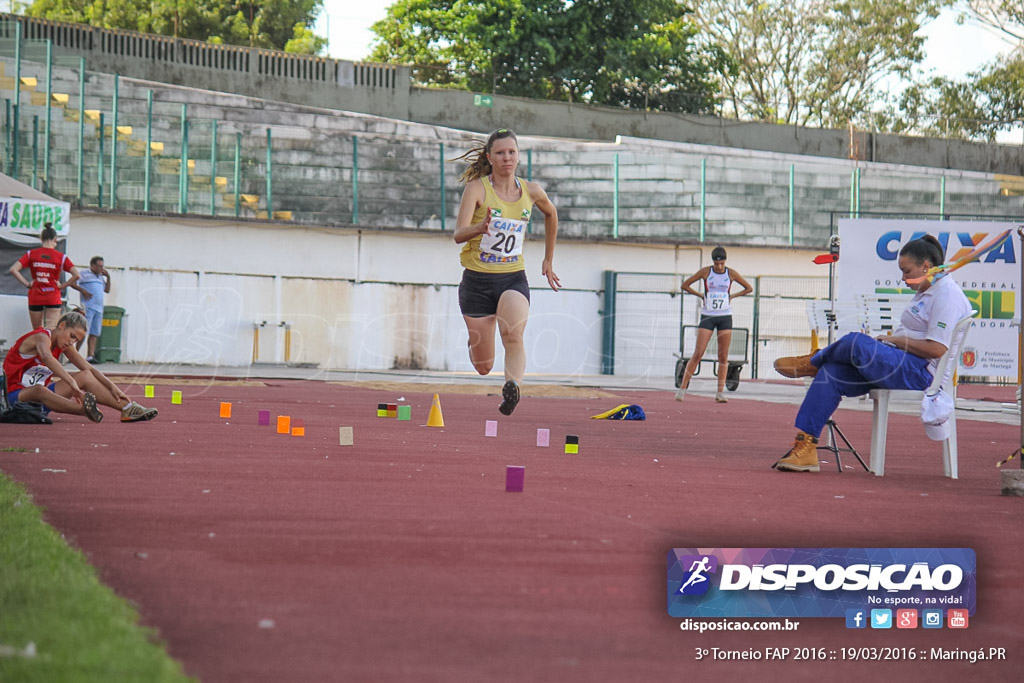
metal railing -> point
(100, 140)
(84, 40)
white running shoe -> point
(721, 398)
(680, 394)
(133, 412)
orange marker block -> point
(225, 410)
(284, 424)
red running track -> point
(403, 559)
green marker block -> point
(404, 412)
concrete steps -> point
(746, 195)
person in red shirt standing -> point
(45, 290)
(34, 374)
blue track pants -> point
(853, 366)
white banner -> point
(27, 216)
(868, 266)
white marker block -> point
(543, 438)
(345, 436)
(491, 428)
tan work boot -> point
(803, 457)
(796, 366)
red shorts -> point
(45, 298)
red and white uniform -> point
(716, 294)
(46, 265)
(27, 370)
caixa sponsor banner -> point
(816, 582)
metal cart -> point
(737, 355)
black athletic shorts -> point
(715, 322)
(36, 309)
(479, 292)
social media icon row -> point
(905, 618)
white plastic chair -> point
(943, 377)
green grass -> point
(50, 596)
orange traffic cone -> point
(435, 419)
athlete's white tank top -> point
(716, 294)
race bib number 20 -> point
(504, 238)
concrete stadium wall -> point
(386, 90)
(587, 122)
(400, 178)
(356, 299)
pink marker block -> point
(491, 428)
(543, 438)
(264, 418)
(514, 475)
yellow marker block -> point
(284, 424)
(176, 398)
(298, 431)
(225, 410)
(149, 391)
(572, 448)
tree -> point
(988, 101)
(814, 62)
(1006, 16)
(938, 107)
(616, 52)
(272, 24)
(663, 70)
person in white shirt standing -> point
(93, 285)
(715, 317)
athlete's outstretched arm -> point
(541, 201)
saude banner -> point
(818, 582)
(28, 216)
(868, 266)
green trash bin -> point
(108, 348)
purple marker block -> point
(264, 418)
(491, 428)
(514, 478)
(543, 438)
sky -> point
(952, 50)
